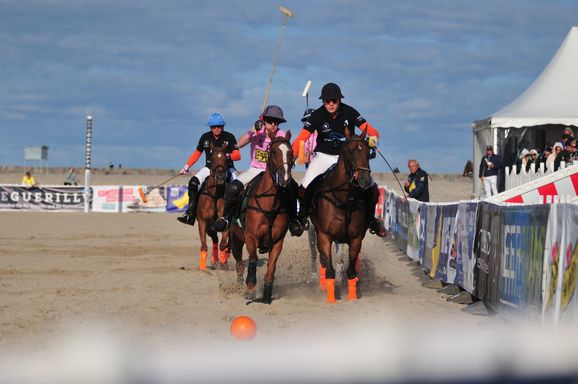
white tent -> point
(539, 114)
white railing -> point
(515, 179)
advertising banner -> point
(413, 230)
(114, 198)
(430, 235)
(487, 250)
(421, 223)
(560, 265)
(464, 240)
(42, 198)
(447, 247)
(379, 208)
(402, 218)
(524, 235)
(569, 299)
(177, 198)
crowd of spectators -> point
(551, 155)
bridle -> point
(273, 168)
(351, 170)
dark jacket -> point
(485, 171)
(418, 185)
(564, 156)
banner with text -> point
(41, 198)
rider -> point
(260, 136)
(216, 137)
(331, 121)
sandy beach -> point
(135, 277)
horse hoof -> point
(250, 295)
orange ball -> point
(243, 328)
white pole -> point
(87, 164)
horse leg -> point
(251, 281)
(224, 250)
(354, 248)
(326, 271)
(203, 252)
(313, 248)
(237, 249)
(215, 251)
(270, 274)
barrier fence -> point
(520, 258)
(512, 257)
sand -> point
(135, 277)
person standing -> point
(260, 137)
(489, 167)
(71, 178)
(332, 122)
(417, 184)
(216, 137)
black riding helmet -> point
(331, 91)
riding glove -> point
(185, 170)
(373, 141)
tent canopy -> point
(551, 99)
(538, 115)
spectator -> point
(417, 182)
(566, 139)
(28, 180)
(568, 131)
(71, 178)
(573, 151)
(544, 156)
(489, 167)
(534, 159)
(557, 148)
(522, 161)
(565, 155)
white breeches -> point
(491, 185)
(319, 164)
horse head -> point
(219, 164)
(355, 154)
(280, 160)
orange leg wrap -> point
(203, 261)
(224, 256)
(215, 253)
(322, 280)
(331, 291)
(352, 289)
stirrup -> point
(221, 224)
(377, 228)
(186, 219)
(295, 228)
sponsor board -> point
(42, 198)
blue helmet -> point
(215, 119)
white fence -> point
(515, 179)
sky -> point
(150, 72)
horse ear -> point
(347, 133)
(288, 135)
(211, 145)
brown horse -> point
(265, 220)
(210, 206)
(339, 211)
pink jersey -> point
(310, 144)
(259, 146)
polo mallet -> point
(302, 142)
(143, 195)
(394, 175)
(286, 13)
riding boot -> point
(190, 214)
(375, 225)
(295, 226)
(232, 197)
(305, 196)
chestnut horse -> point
(265, 220)
(210, 206)
(338, 211)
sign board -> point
(36, 152)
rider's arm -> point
(370, 130)
(194, 157)
(303, 135)
(244, 140)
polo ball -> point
(243, 328)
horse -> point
(210, 206)
(339, 209)
(264, 219)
